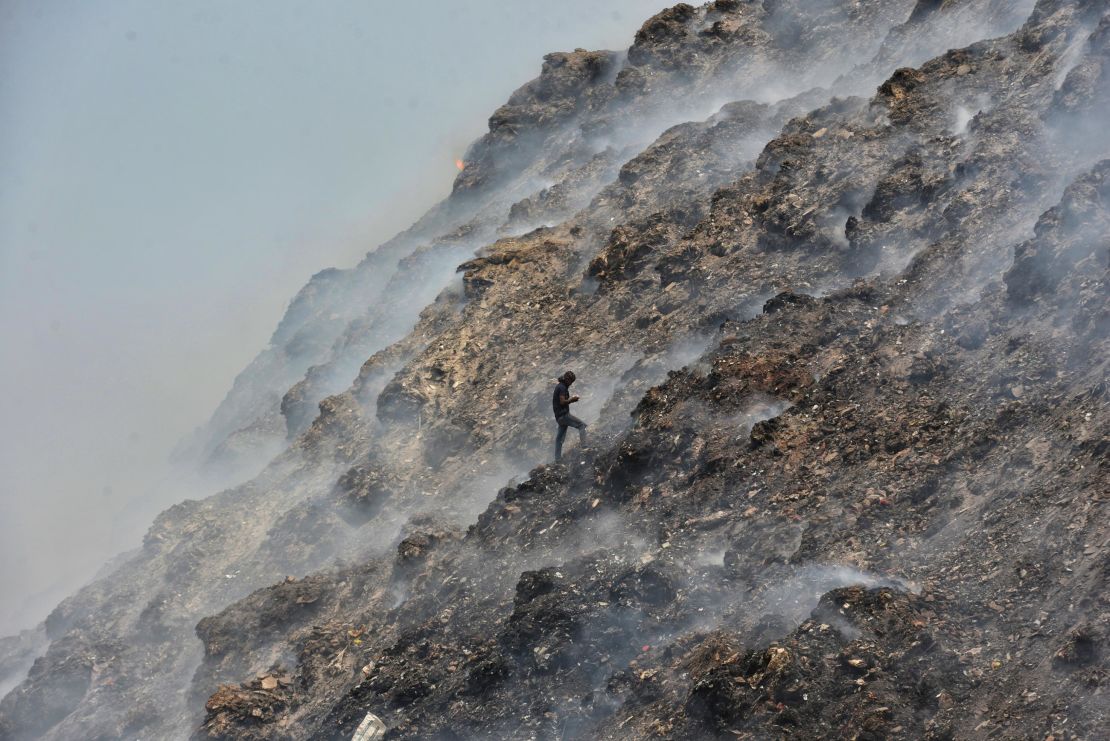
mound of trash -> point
(833, 279)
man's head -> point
(567, 378)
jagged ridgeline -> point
(833, 278)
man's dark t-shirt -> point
(560, 391)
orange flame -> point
(460, 164)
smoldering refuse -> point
(604, 558)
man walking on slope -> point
(560, 403)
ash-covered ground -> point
(833, 277)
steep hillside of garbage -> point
(833, 277)
(550, 148)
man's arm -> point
(565, 401)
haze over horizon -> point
(170, 175)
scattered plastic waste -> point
(370, 729)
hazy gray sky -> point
(170, 174)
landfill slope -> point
(833, 277)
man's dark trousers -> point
(565, 421)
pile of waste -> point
(833, 278)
